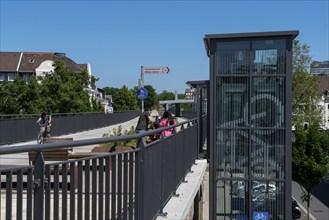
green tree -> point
(64, 91)
(165, 95)
(305, 88)
(19, 97)
(310, 159)
(310, 153)
(31, 98)
(302, 59)
(151, 99)
(123, 99)
(9, 92)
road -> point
(318, 210)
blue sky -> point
(118, 37)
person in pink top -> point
(167, 120)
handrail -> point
(53, 114)
(8, 149)
(136, 183)
(20, 128)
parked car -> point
(296, 214)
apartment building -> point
(320, 68)
(27, 64)
(324, 103)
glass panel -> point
(26, 77)
(231, 199)
(233, 57)
(267, 152)
(232, 101)
(250, 128)
(11, 76)
(204, 101)
(2, 77)
(232, 148)
(268, 102)
(268, 199)
(269, 56)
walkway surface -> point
(22, 159)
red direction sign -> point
(155, 70)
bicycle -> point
(43, 133)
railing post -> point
(163, 149)
(140, 210)
(38, 186)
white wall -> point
(45, 67)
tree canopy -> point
(305, 88)
(123, 98)
(310, 149)
(63, 91)
(165, 95)
(310, 159)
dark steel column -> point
(39, 170)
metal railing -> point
(135, 184)
(18, 128)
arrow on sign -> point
(156, 70)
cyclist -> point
(45, 121)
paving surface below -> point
(22, 158)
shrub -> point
(119, 132)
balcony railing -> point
(130, 185)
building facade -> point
(28, 64)
(250, 124)
(324, 103)
(320, 68)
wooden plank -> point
(59, 154)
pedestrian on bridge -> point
(167, 120)
(145, 121)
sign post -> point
(142, 93)
(142, 86)
(149, 70)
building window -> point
(269, 56)
(26, 77)
(11, 76)
(233, 57)
(267, 102)
(2, 76)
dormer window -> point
(31, 61)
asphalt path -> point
(22, 158)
